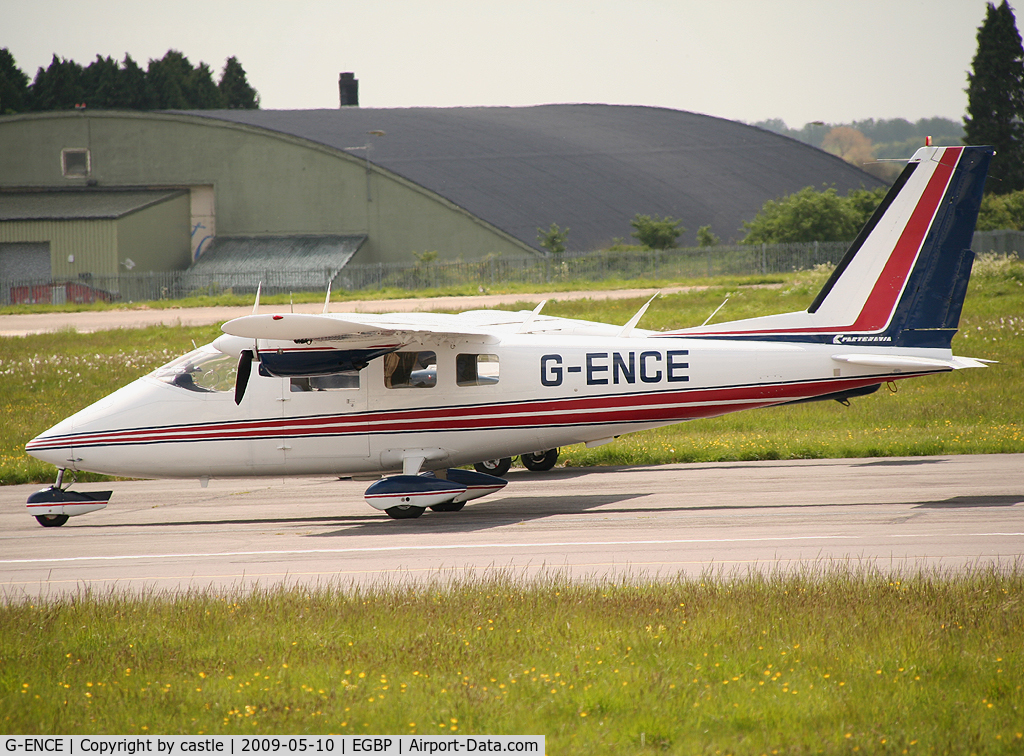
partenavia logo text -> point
(841, 339)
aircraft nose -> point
(53, 446)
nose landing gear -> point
(54, 505)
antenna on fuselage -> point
(715, 312)
(627, 329)
(256, 304)
(524, 327)
(327, 301)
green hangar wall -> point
(310, 191)
(238, 181)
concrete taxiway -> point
(950, 513)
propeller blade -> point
(244, 369)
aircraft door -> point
(325, 417)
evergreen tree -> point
(553, 240)
(132, 92)
(99, 83)
(200, 91)
(995, 98)
(14, 93)
(167, 79)
(235, 89)
(58, 87)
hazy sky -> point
(749, 60)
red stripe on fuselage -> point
(668, 406)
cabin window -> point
(204, 371)
(476, 369)
(410, 370)
(348, 380)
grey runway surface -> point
(950, 513)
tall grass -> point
(829, 659)
(45, 378)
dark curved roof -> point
(587, 167)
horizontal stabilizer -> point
(905, 362)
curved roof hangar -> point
(590, 168)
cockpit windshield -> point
(204, 370)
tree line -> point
(995, 115)
(170, 83)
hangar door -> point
(22, 263)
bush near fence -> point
(627, 264)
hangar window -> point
(410, 370)
(75, 163)
(476, 369)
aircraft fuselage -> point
(527, 393)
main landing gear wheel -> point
(451, 506)
(404, 512)
(495, 467)
(51, 521)
(540, 461)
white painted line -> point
(456, 546)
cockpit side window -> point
(476, 369)
(204, 371)
(410, 369)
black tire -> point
(449, 506)
(540, 461)
(51, 521)
(404, 512)
(495, 467)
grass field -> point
(45, 378)
(832, 660)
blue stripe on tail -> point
(928, 313)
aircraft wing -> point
(346, 329)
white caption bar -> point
(244, 745)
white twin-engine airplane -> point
(414, 397)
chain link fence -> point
(627, 265)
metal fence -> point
(627, 265)
(1000, 242)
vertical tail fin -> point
(904, 278)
